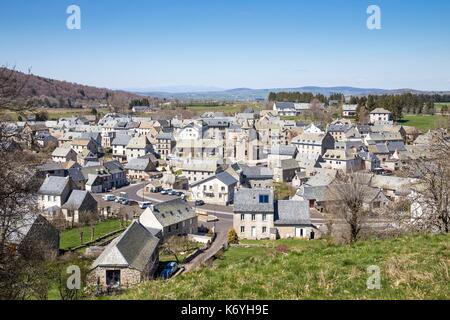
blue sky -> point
(231, 43)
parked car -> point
(144, 204)
(125, 202)
(169, 270)
(173, 193)
(109, 197)
(199, 203)
(164, 191)
(119, 199)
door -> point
(298, 232)
(253, 232)
(312, 235)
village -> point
(195, 186)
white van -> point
(144, 204)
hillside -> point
(413, 267)
(59, 93)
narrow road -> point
(224, 223)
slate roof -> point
(132, 249)
(203, 165)
(283, 150)
(247, 200)
(121, 140)
(291, 212)
(287, 164)
(170, 212)
(284, 105)
(256, 172)
(80, 200)
(139, 164)
(339, 128)
(349, 107)
(138, 143)
(165, 136)
(380, 110)
(54, 185)
(61, 152)
(224, 177)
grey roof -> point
(216, 122)
(121, 140)
(172, 212)
(165, 136)
(380, 110)
(132, 249)
(284, 105)
(226, 178)
(339, 128)
(257, 172)
(140, 164)
(287, 164)
(54, 185)
(291, 212)
(317, 193)
(61, 152)
(50, 166)
(247, 200)
(396, 145)
(283, 150)
(80, 200)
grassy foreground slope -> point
(413, 267)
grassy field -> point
(414, 267)
(71, 238)
(422, 122)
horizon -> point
(230, 44)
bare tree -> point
(347, 204)
(11, 86)
(430, 205)
(176, 245)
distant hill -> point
(45, 90)
(247, 94)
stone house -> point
(197, 170)
(35, 237)
(141, 168)
(256, 177)
(171, 218)
(349, 110)
(218, 189)
(64, 155)
(165, 144)
(78, 206)
(119, 145)
(293, 220)
(138, 147)
(131, 258)
(81, 144)
(253, 214)
(54, 192)
(381, 116)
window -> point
(242, 229)
(223, 188)
(242, 217)
(263, 198)
(264, 217)
(264, 229)
(113, 278)
(253, 217)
